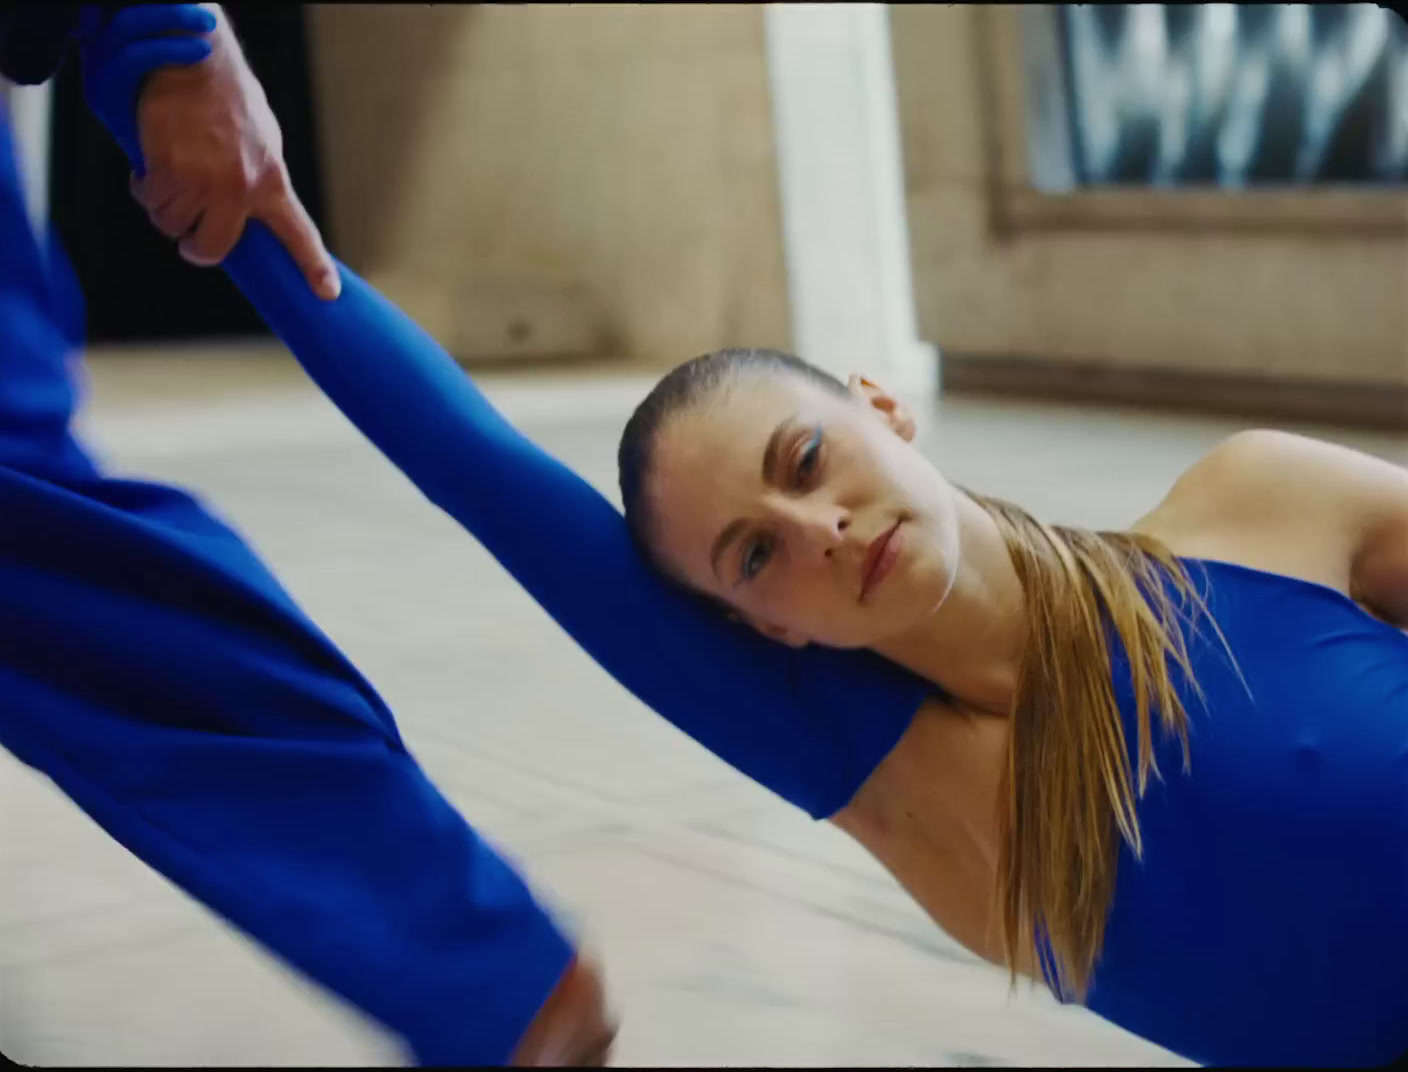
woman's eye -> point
(806, 463)
(755, 557)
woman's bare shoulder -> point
(1280, 501)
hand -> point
(573, 1028)
(214, 159)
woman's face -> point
(808, 511)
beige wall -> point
(1263, 297)
(611, 164)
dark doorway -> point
(136, 286)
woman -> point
(1242, 906)
(1245, 905)
(1249, 906)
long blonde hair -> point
(1070, 793)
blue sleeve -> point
(810, 725)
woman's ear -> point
(890, 409)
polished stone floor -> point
(735, 931)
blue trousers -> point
(153, 668)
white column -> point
(31, 109)
(843, 203)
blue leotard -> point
(1266, 921)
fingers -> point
(206, 210)
(292, 226)
(147, 20)
(215, 235)
(597, 1054)
(177, 217)
(150, 190)
(207, 227)
(574, 1027)
(172, 210)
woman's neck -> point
(971, 646)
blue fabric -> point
(1268, 920)
(159, 675)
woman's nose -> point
(820, 527)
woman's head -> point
(770, 486)
(765, 484)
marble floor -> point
(734, 930)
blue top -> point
(1268, 920)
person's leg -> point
(159, 675)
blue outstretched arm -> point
(810, 725)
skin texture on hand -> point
(214, 159)
(574, 1027)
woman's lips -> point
(880, 558)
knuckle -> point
(240, 183)
(275, 183)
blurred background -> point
(1087, 241)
